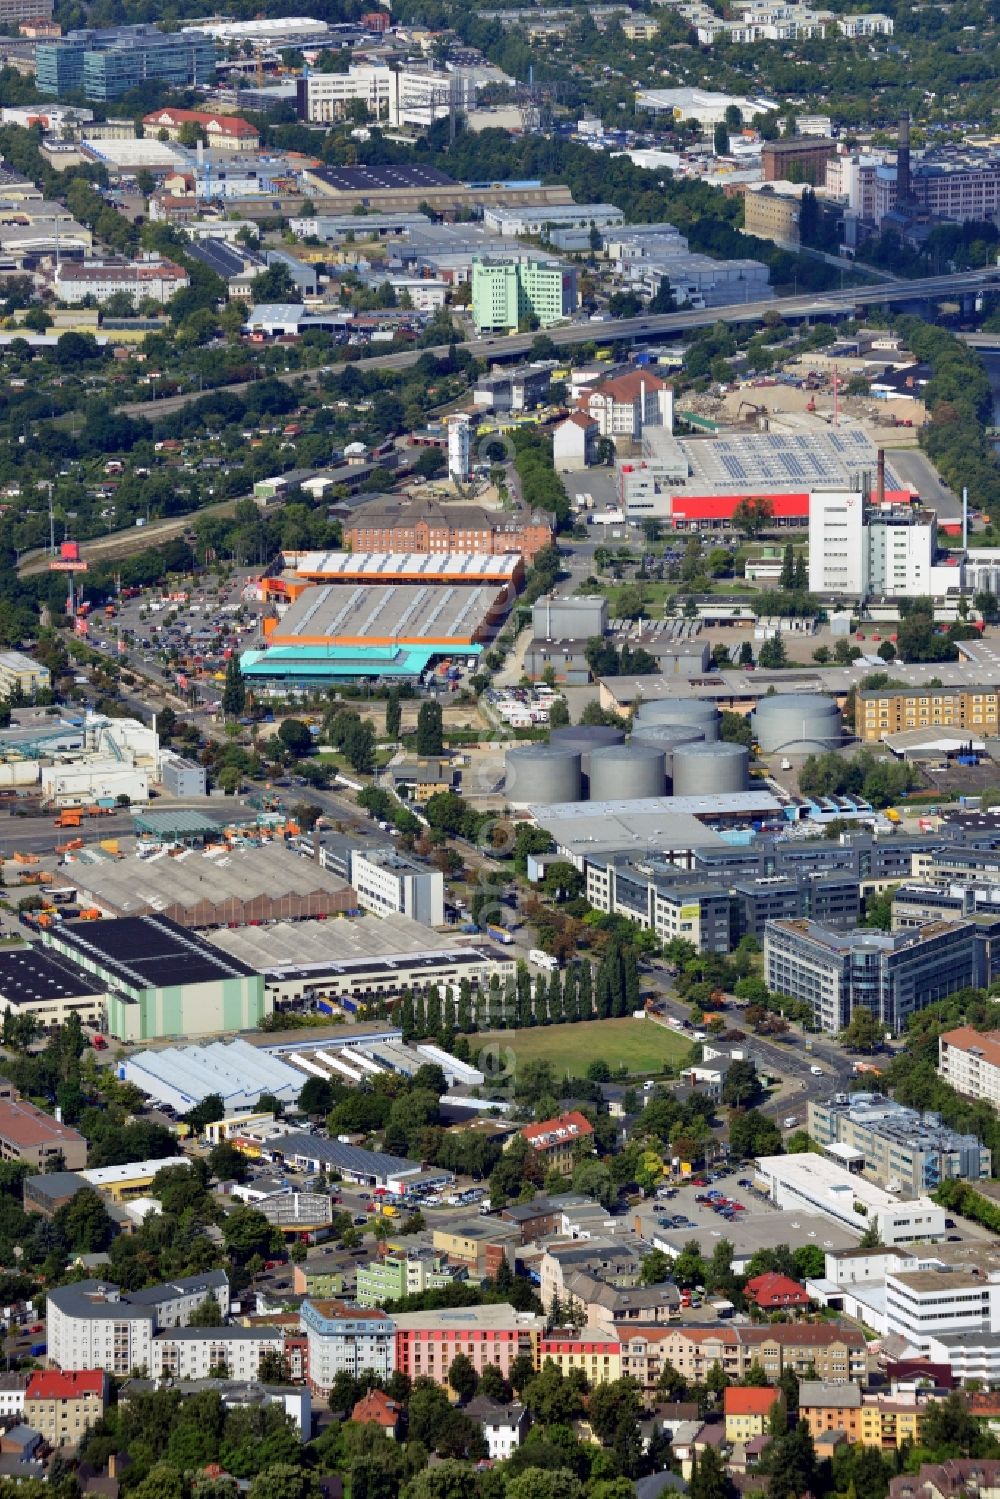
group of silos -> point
(674, 750)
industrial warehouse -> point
(349, 963)
(160, 980)
(343, 615)
(219, 887)
(240, 1073)
(331, 615)
(700, 481)
(303, 569)
(674, 784)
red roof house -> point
(376, 1409)
(555, 1139)
(773, 1292)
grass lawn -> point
(640, 1045)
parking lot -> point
(682, 1213)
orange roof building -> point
(225, 132)
(62, 1405)
(772, 1292)
(969, 1061)
(748, 1410)
(555, 1140)
(376, 1409)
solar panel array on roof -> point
(381, 179)
(31, 974)
(804, 460)
(149, 952)
(225, 260)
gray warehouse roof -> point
(407, 611)
(135, 885)
(341, 1157)
(297, 943)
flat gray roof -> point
(136, 885)
(762, 1231)
(977, 671)
(404, 611)
(296, 944)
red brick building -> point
(395, 525)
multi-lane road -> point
(637, 329)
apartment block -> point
(969, 1061)
(398, 1275)
(151, 276)
(94, 1324)
(345, 1339)
(898, 1147)
(61, 1406)
(214, 1352)
(592, 1350)
(890, 710)
(894, 974)
(557, 1141)
(28, 1134)
(884, 1421)
(427, 1342)
(838, 1354)
(511, 291)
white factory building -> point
(404, 96)
(866, 549)
(813, 1184)
(76, 765)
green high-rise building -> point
(509, 292)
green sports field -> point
(640, 1045)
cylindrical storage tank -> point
(586, 738)
(626, 772)
(796, 723)
(666, 737)
(543, 773)
(710, 769)
(682, 710)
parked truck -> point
(543, 960)
(498, 933)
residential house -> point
(376, 1409)
(885, 1422)
(62, 1405)
(747, 1410)
(609, 1306)
(555, 1141)
(504, 1427)
(952, 1479)
(772, 1293)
